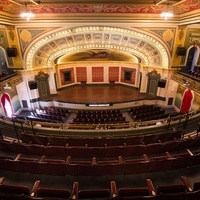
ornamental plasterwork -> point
(142, 45)
(195, 38)
(186, 6)
(11, 82)
(194, 85)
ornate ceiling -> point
(135, 43)
(52, 7)
(67, 20)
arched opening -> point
(192, 58)
(7, 105)
(3, 64)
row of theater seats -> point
(99, 115)
(49, 114)
(100, 141)
(55, 109)
(45, 117)
(97, 112)
(143, 109)
(195, 73)
(97, 167)
(104, 116)
(179, 191)
(104, 151)
(99, 125)
(101, 120)
(149, 115)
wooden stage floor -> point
(101, 93)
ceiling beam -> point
(34, 2)
(159, 2)
(15, 3)
(178, 2)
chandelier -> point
(27, 14)
(166, 14)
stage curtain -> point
(187, 101)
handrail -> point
(100, 126)
(101, 130)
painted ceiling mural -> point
(98, 55)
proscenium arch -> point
(151, 50)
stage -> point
(98, 94)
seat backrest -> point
(49, 192)
(167, 189)
(14, 189)
(196, 186)
(99, 193)
(130, 192)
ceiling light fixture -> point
(167, 13)
(27, 14)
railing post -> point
(13, 120)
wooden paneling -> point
(81, 74)
(114, 74)
(97, 74)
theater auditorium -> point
(99, 99)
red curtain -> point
(187, 101)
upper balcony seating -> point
(100, 193)
(80, 168)
(108, 167)
(132, 192)
(50, 193)
(93, 141)
(52, 166)
(25, 165)
(174, 191)
(99, 167)
(161, 163)
(10, 189)
(104, 151)
(5, 163)
(136, 166)
(196, 73)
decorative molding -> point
(195, 38)
(11, 82)
(194, 85)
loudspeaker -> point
(180, 51)
(11, 52)
(162, 83)
(32, 85)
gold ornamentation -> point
(154, 72)
(12, 35)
